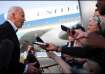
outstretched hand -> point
(49, 47)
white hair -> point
(13, 10)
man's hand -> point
(50, 47)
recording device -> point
(38, 39)
(40, 43)
(72, 30)
(64, 28)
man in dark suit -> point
(4, 44)
(15, 20)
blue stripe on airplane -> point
(52, 20)
(2, 18)
(46, 21)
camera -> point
(64, 28)
(72, 30)
(38, 39)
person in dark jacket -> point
(15, 20)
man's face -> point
(19, 18)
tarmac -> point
(49, 66)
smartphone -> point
(64, 28)
(38, 39)
(40, 43)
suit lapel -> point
(13, 32)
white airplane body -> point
(51, 21)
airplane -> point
(48, 24)
(51, 31)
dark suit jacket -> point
(13, 67)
